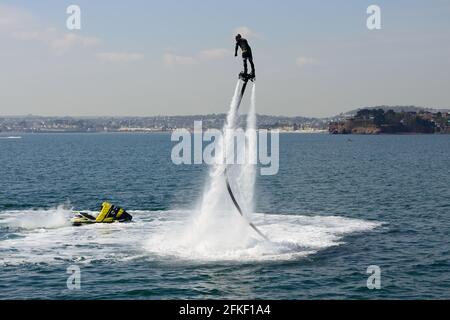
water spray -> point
(251, 124)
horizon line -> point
(221, 113)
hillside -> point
(376, 121)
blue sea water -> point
(338, 205)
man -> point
(246, 53)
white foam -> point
(162, 235)
(36, 218)
(291, 237)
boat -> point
(108, 214)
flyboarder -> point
(246, 55)
(245, 77)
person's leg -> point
(252, 65)
(245, 65)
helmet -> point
(238, 37)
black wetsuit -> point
(246, 54)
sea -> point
(347, 217)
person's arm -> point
(236, 50)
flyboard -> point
(245, 79)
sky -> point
(147, 58)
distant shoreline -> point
(18, 135)
(12, 133)
(372, 120)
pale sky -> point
(145, 58)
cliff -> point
(376, 121)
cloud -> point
(303, 61)
(13, 18)
(58, 42)
(35, 34)
(119, 56)
(27, 35)
(68, 41)
(246, 32)
(171, 59)
(20, 25)
(213, 54)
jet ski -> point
(108, 214)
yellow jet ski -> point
(108, 214)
